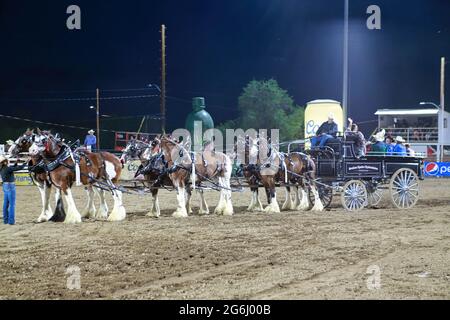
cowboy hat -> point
(379, 137)
(91, 131)
(400, 139)
(9, 142)
(2, 159)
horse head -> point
(22, 144)
(134, 150)
(45, 144)
(175, 152)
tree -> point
(264, 105)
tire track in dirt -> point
(187, 277)
(298, 288)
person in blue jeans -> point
(9, 190)
(328, 130)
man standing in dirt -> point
(9, 190)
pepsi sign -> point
(437, 169)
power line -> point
(49, 123)
(80, 99)
(87, 91)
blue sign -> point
(437, 169)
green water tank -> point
(199, 119)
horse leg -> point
(188, 200)
(287, 205)
(204, 209)
(72, 216)
(251, 207)
(296, 201)
(181, 199)
(46, 213)
(221, 205)
(118, 212)
(304, 203)
(258, 204)
(59, 214)
(273, 205)
(228, 211)
(155, 212)
(318, 205)
(89, 211)
(102, 213)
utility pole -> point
(345, 64)
(442, 114)
(98, 120)
(163, 78)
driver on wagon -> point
(328, 130)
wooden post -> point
(163, 79)
(98, 120)
(441, 118)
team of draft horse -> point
(165, 163)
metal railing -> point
(415, 135)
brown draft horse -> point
(261, 166)
(208, 166)
(299, 170)
(99, 171)
(272, 167)
(39, 176)
(153, 168)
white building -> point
(419, 127)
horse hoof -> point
(180, 214)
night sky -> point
(214, 48)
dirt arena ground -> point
(295, 255)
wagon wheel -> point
(404, 188)
(325, 194)
(374, 195)
(354, 197)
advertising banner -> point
(437, 169)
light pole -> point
(97, 109)
(440, 127)
(345, 63)
(163, 105)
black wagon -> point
(360, 181)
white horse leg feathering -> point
(304, 204)
(72, 216)
(288, 204)
(89, 211)
(155, 212)
(273, 207)
(47, 212)
(102, 213)
(296, 202)
(204, 209)
(181, 199)
(318, 205)
(118, 213)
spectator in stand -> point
(389, 145)
(399, 148)
(353, 133)
(409, 151)
(379, 147)
(417, 135)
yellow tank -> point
(317, 112)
